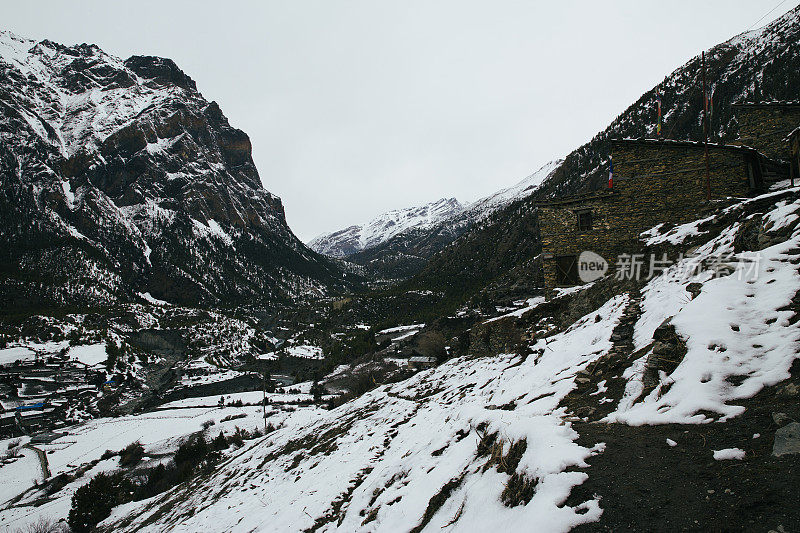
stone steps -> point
(609, 368)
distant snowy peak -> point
(523, 189)
(390, 224)
(383, 227)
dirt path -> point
(646, 485)
(43, 462)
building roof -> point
(422, 359)
(610, 193)
(686, 144)
(768, 104)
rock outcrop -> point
(118, 178)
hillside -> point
(119, 178)
(517, 434)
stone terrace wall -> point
(765, 127)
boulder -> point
(663, 348)
(664, 332)
(787, 440)
(694, 289)
(781, 419)
(790, 390)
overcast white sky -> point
(358, 107)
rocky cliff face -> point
(118, 177)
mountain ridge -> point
(356, 238)
(118, 177)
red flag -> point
(658, 126)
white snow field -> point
(19, 475)
(90, 354)
(16, 353)
(160, 432)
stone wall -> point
(654, 182)
(766, 127)
(560, 235)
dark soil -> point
(646, 485)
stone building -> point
(421, 362)
(655, 181)
(766, 126)
(571, 225)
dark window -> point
(567, 270)
(585, 221)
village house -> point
(655, 181)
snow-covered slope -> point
(432, 451)
(484, 443)
(119, 177)
(496, 441)
(383, 227)
(485, 206)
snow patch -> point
(728, 454)
(89, 354)
(16, 353)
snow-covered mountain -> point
(118, 177)
(406, 249)
(383, 227)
